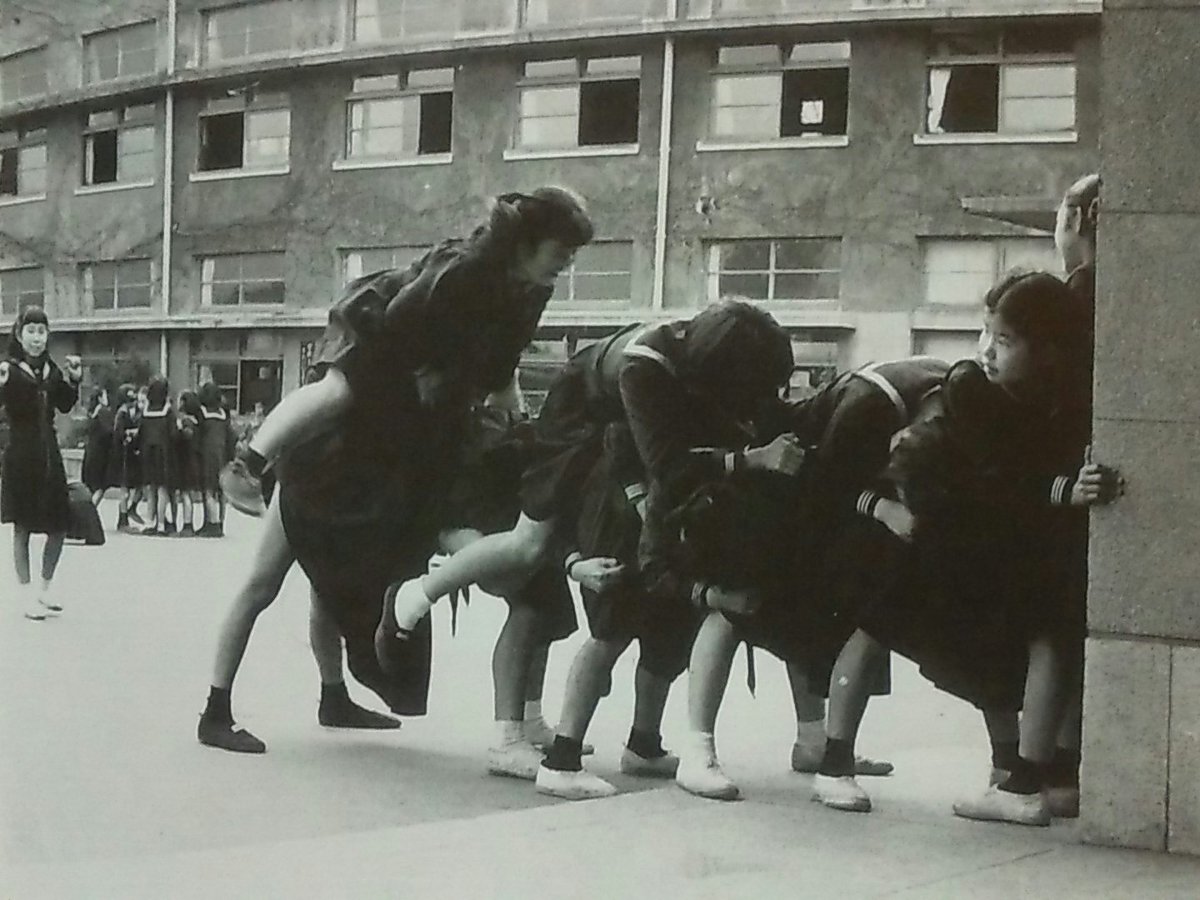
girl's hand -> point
(73, 366)
(3, 373)
(1096, 485)
(783, 455)
(898, 519)
(741, 602)
(597, 573)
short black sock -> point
(218, 707)
(646, 744)
(334, 693)
(1005, 755)
(1025, 777)
(838, 760)
(255, 461)
(565, 755)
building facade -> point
(190, 182)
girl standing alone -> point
(33, 493)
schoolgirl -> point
(468, 307)
(216, 444)
(157, 450)
(124, 463)
(98, 448)
(33, 491)
(993, 603)
(187, 461)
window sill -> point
(85, 189)
(122, 312)
(1058, 137)
(430, 159)
(801, 143)
(565, 152)
(20, 201)
(948, 318)
(227, 174)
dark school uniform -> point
(187, 454)
(97, 468)
(156, 447)
(999, 555)
(124, 463)
(33, 486)
(216, 445)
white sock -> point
(699, 744)
(811, 734)
(533, 710)
(509, 731)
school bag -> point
(85, 518)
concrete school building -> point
(190, 182)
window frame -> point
(88, 284)
(291, 49)
(41, 293)
(565, 284)
(247, 101)
(1000, 245)
(16, 59)
(349, 271)
(404, 88)
(22, 140)
(90, 67)
(838, 56)
(713, 270)
(135, 117)
(1004, 61)
(207, 281)
(576, 79)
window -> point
(118, 285)
(567, 13)
(23, 163)
(390, 20)
(356, 263)
(568, 103)
(776, 269)
(20, 288)
(601, 272)
(770, 91)
(23, 75)
(400, 116)
(118, 146)
(271, 28)
(248, 130)
(959, 271)
(242, 279)
(224, 375)
(1014, 83)
(120, 53)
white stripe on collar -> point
(24, 364)
(219, 414)
(650, 353)
(156, 413)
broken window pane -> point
(608, 112)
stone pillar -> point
(1141, 754)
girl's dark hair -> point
(210, 396)
(157, 392)
(1084, 195)
(1043, 310)
(94, 399)
(127, 392)
(189, 402)
(29, 315)
(737, 352)
(516, 218)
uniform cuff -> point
(867, 503)
(1060, 490)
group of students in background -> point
(168, 454)
(913, 506)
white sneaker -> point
(655, 767)
(49, 603)
(1003, 806)
(700, 773)
(520, 759)
(840, 792)
(31, 604)
(410, 603)
(539, 733)
(581, 785)
(806, 759)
